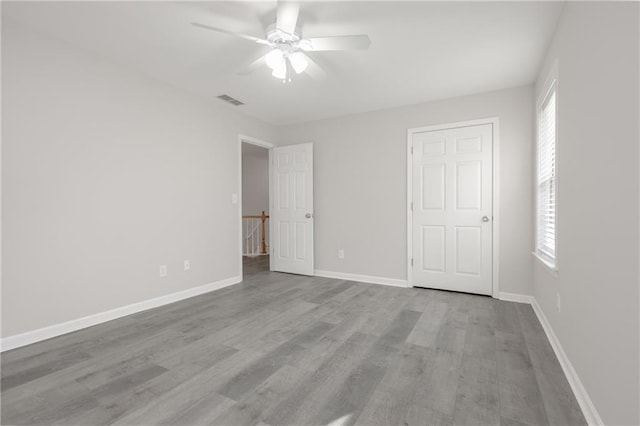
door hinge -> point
(412, 150)
(412, 262)
(412, 206)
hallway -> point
(252, 265)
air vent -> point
(232, 101)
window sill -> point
(553, 269)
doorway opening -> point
(254, 206)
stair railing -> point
(255, 236)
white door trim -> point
(253, 141)
(494, 121)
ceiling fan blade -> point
(314, 70)
(287, 16)
(258, 63)
(220, 30)
(349, 42)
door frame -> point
(264, 144)
(495, 261)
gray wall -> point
(105, 176)
(360, 183)
(596, 46)
(255, 180)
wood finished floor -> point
(281, 349)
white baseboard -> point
(515, 297)
(588, 409)
(34, 336)
(586, 405)
(362, 278)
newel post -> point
(263, 218)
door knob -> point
(308, 215)
(485, 218)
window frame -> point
(550, 88)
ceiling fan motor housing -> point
(284, 41)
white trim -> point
(586, 404)
(549, 83)
(268, 145)
(543, 92)
(254, 141)
(361, 278)
(40, 334)
(410, 133)
(495, 273)
(553, 269)
(588, 409)
(271, 208)
(495, 124)
(515, 297)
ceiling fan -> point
(287, 55)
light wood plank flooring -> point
(281, 349)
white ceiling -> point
(420, 51)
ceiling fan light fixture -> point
(298, 62)
(275, 59)
(280, 71)
(284, 38)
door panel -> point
(283, 242)
(433, 243)
(433, 186)
(468, 250)
(292, 212)
(468, 188)
(452, 192)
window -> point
(546, 179)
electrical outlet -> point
(187, 265)
(163, 271)
(234, 198)
(341, 254)
(558, 304)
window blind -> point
(546, 179)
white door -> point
(452, 209)
(292, 209)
